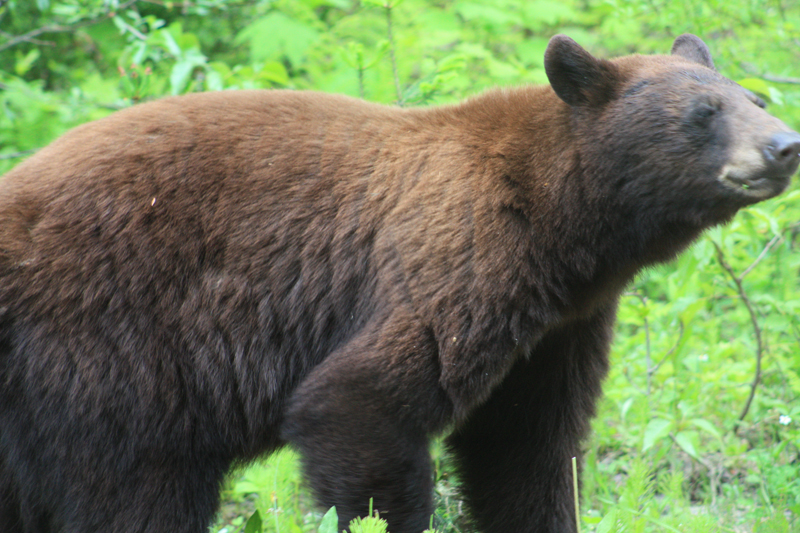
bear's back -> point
(207, 235)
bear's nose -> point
(783, 152)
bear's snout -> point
(783, 153)
(761, 161)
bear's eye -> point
(704, 111)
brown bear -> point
(195, 282)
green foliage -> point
(669, 451)
(254, 524)
(372, 523)
(329, 522)
(274, 490)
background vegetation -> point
(699, 430)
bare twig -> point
(775, 240)
(133, 31)
(756, 328)
(18, 154)
(671, 351)
(653, 368)
(54, 28)
(6, 35)
(780, 79)
(751, 69)
(28, 37)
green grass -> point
(661, 490)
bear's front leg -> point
(514, 452)
(361, 421)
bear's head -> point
(667, 139)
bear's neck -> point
(577, 249)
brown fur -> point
(197, 281)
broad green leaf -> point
(687, 441)
(775, 95)
(761, 87)
(706, 426)
(164, 39)
(277, 35)
(625, 408)
(757, 85)
(452, 62)
(247, 487)
(688, 314)
(609, 522)
(656, 429)
(330, 522)
(275, 72)
(24, 64)
(182, 70)
(253, 524)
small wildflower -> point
(785, 420)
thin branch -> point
(29, 37)
(133, 31)
(18, 154)
(775, 240)
(671, 350)
(626, 372)
(651, 368)
(756, 328)
(770, 77)
(37, 42)
(780, 79)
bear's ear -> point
(694, 49)
(576, 76)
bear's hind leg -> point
(514, 453)
(361, 422)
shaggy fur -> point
(195, 282)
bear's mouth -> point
(760, 186)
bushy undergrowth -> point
(699, 429)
